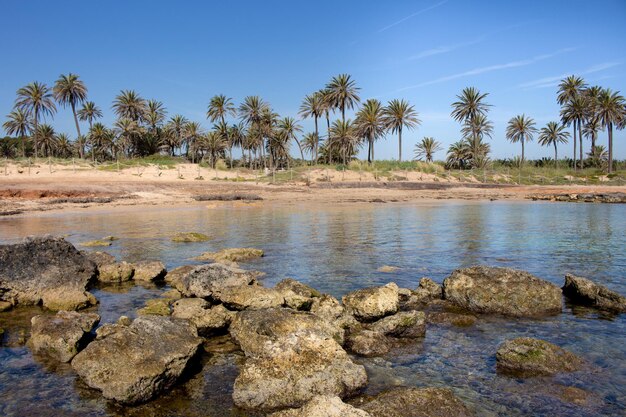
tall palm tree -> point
(327, 107)
(470, 104)
(214, 145)
(220, 107)
(236, 137)
(36, 100)
(290, 129)
(471, 110)
(343, 93)
(89, 113)
(399, 114)
(18, 124)
(176, 129)
(343, 139)
(125, 130)
(253, 111)
(591, 125)
(611, 112)
(99, 138)
(521, 129)
(553, 134)
(476, 128)
(309, 143)
(130, 105)
(155, 115)
(591, 129)
(573, 106)
(69, 89)
(313, 106)
(193, 134)
(47, 139)
(370, 124)
(426, 149)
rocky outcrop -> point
(116, 272)
(505, 291)
(614, 198)
(409, 324)
(249, 297)
(323, 406)
(370, 304)
(174, 276)
(525, 356)
(46, 270)
(135, 363)
(5, 306)
(586, 292)
(149, 271)
(416, 402)
(231, 255)
(63, 335)
(210, 280)
(297, 295)
(206, 319)
(99, 258)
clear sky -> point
(425, 51)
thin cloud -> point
(441, 3)
(444, 49)
(555, 80)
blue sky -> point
(425, 51)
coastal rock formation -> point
(368, 343)
(323, 406)
(615, 198)
(176, 274)
(116, 272)
(149, 271)
(505, 291)
(586, 292)
(207, 320)
(409, 324)
(525, 356)
(253, 297)
(231, 255)
(96, 243)
(43, 270)
(189, 237)
(63, 335)
(416, 402)
(370, 304)
(298, 288)
(157, 307)
(327, 307)
(210, 280)
(134, 363)
(99, 258)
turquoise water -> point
(336, 250)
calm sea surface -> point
(337, 250)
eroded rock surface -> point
(116, 272)
(525, 356)
(416, 402)
(149, 271)
(370, 304)
(207, 319)
(586, 292)
(323, 406)
(210, 280)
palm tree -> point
(426, 149)
(220, 106)
(36, 100)
(313, 106)
(236, 137)
(309, 144)
(399, 114)
(521, 129)
(327, 107)
(214, 145)
(370, 124)
(573, 106)
(252, 112)
(176, 129)
(598, 157)
(288, 127)
(469, 105)
(155, 115)
(592, 125)
(476, 128)
(591, 129)
(99, 137)
(47, 138)
(343, 93)
(128, 104)
(64, 146)
(89, 113)
(458, 155)
(611, 112)
(343, 138)
(553, 134)
(18, 124)
(125, 130)
(193, 134)
(69, 89)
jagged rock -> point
(327, 307)
(323, 406)
(63, 335)
(137, 362)
(186, 237)
(503, 291)
(297, 287)
(176, 274)
(416, 402)
(586, 292)
(99, 258)
(208, 320)
(369, 304)
(525, 356)
(231, 255)
(368, 343)
(157, 307)
(249, 297)
(209, 280)
(149, 271)
(39, 269)
(407, 324)
(116, 272)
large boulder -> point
(210, 280)
(505, 291)
(134, 363)
(525, 356)
(38, 270)
(370, 304)
(323, 406)
(116, 272)
(586, 292)
(63, 335)
(149, 271)
(416, 402)
(207, 320)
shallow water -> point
(336, 250)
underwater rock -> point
(231, 255)
(525, 356)
(187, 237)
(416, 402)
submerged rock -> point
(416, 402)
(41, 270)
(186, 237)
(116, 272)
(210, 280)
(99, 258)
(368, 343)
(231, 255)
(409, 324)
(503, 291)
(369, 304)
(157, 307)
(388, 269)
(207, 320)
(94, 243)
(447, 317)
(586, 292)
(525, 356)
(149, 271)
(61, 336)
(137, 362)
(323, 406)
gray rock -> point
(505, 291)
(323, 406)
(63, 335)
(297, 287)
(135, 363)
(176, 274)
(409, 324)
(149, 271)
(210, 280)
(586, 292)
(327, 307)
(207, 320)
(370, 304)
(368, 343)
(116, 272)
(99, 258)
(246, 297)
(416, 402)
(525, 356)
(42, 270)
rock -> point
(388, 269)
(157, 306)
(110, 238)
(110, 328)
(172, 294)
(370, 304)
(231, 255)
(505, 291)
(429, 289)
(327, 307)
(135, 363)
(409, 324)
(368, 343)
(5, 306)
(39, 269)
(249, 297)
(124, 321)
(61, 336)
(99, 258)
(323, 406)
(584, 291)
(297, 287)
(209, 280)
(416, 402)
(207, 320)
(68, 299)
(149, 271)
(116, 272)
(176, 274)
(186, 237)
(525, 356)
(95, 243)
(455, 319)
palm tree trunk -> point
(575, 164)
(522, 163)
(36, 125)
(580, 139)
(230, 155)
(610, 130)
(555, 157)
(317, 140)
(400, 144)
(75, 119)
(328, 137)
(343, 113)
